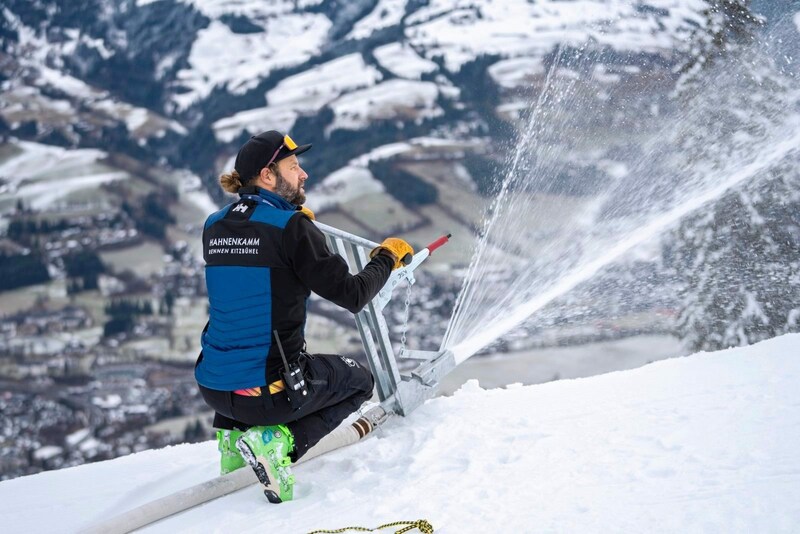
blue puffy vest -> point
(241, 247)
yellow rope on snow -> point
(422, 525)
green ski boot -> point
(266, 449)
(229, 460)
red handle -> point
(438, 243)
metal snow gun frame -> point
(399, 392)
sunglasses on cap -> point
(288, 142)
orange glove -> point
(400, 251)
(307, 212)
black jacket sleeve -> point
(326, 273)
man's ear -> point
(266, 178)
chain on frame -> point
(403, 337)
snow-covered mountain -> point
(697, 444)
(184, 81)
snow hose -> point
(179, 501)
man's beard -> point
(284, 190)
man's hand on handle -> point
(400, 251)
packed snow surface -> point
(706, 443)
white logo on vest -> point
(234, 245)
(241, 208)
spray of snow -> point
(476, 342)
(516, 271)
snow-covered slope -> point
(706, 443)
(29, 174)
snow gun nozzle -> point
(407, 259)
(439, 242)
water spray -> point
(692, 158)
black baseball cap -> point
(263, 149)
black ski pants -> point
(337, 387)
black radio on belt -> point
(293, 378)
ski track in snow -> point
(697, 444)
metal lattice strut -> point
(398, 392)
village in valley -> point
(101, 312)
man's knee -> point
(359, 376)
(346, 374)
